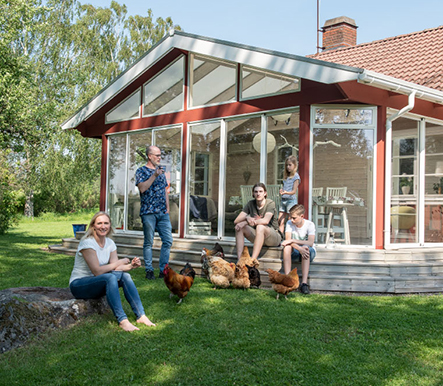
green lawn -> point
(221, 337)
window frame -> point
(142, 105)
(266, 72)
(123, 101)
(191, 58)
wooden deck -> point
(353, 270)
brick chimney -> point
(339, 32)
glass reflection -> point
(434, 183)
(242, 167)
(212, 82)
(404, 172)
(164, 93)
(203, 179)
(117, 179)
(344, 156)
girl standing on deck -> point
(291, 181)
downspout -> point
(404, 110)
(389, 120)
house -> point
(366, 122)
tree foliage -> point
(8, 195)
(53, 59)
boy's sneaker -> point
(161, 275)
(150, 275)
(304, 289)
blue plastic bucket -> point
(78, 228)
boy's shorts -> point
(296, 255)
(286, 204)
(273, 240)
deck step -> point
(353, 270)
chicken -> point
(283, 284)
(221, 273)
(246, 259)
(241, 277)
(178, 284)
(216, 251)
(187, 270)
(254, 277)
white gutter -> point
(388, 167)
(400, 86)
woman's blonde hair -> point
(90, 230)
(293, 160)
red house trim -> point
(380, 179)
(103, 175)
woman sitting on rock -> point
(98, 272)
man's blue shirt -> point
(152, 200)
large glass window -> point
(433, 221)
(416, 203)
(117, 179)
(138, 142)
(404, 173)
(128, 109)
(242, 166)
(342, 174)
(127, 152)
(257, 83)
(203, 179)
(164, 93)
(211, 81)
(284, 128)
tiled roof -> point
(416, 57)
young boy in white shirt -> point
(299, 243)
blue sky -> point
(288, 25)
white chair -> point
(316, 192)
(319, 217)
(274, 194)
(246, 194)
(336, 192)
(403, 219)
(338, 217)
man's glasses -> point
(156, 155)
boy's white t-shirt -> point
(302, 233)
(81, 268)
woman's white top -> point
(81, 268)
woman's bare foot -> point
(128, 326)
(144, 319)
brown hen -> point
(283, 284)
(246, 259)
(241, 277)
(221, 273)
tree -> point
(53, 59)
(8, 195)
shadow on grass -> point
(219, 337)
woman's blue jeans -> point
(94, 287)
(161, 223)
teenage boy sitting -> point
(299, 243)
